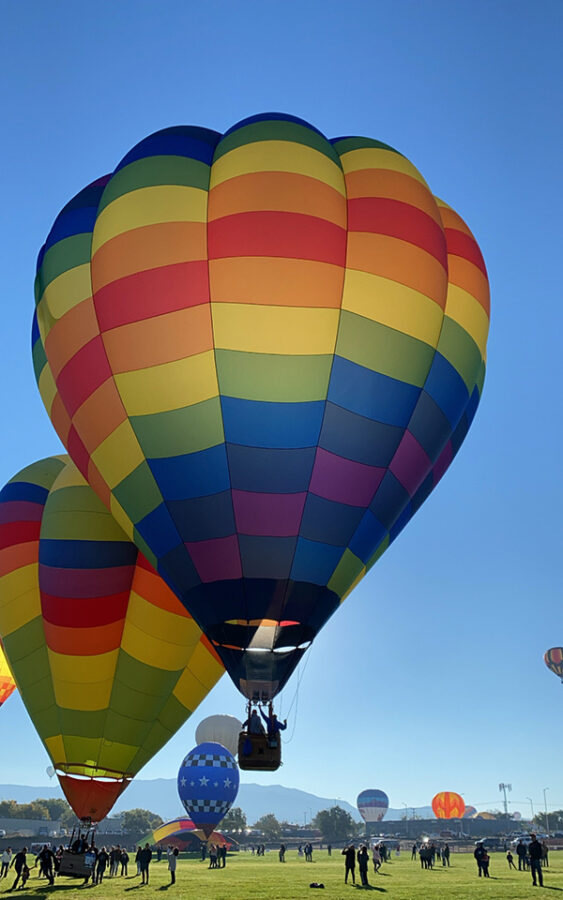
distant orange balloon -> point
(448, 805)
(7, 683)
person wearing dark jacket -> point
(102, 860)
(521, 853)
(363, 859)
(19, 863)
(479, 853)
(349, 854)
(144, 859)
(535, 851)
(46, 863)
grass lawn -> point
(248, 877)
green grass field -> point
(248, 877)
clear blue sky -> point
(431, 676)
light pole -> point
(546, 815)
(532, 807)
(504, 788)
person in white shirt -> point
(172, 853)
(6, 860)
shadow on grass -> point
(370, 887)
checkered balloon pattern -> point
(208, 783)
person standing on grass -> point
(413, 851)
(545, 854)
(349, 854)
(521, 854)
(479, 853)
(510, 860)
(535, 851)
(6, 859)
(363, 859)
(172, 853)
(146, 856)
(446, 855)
(485, 860)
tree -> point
(555, 819)
(335, 824)
(269, 826)
(140, 821)
(56, 807)
(235, 820)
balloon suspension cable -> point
(295, 700)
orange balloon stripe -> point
(279, 191)
(100, 414)
(69, 334)
(276, 282)
(88, 641)
(467, 276)
(165, 338)
(392, 185)
(399, 261)
(148, 248)
(85, 372)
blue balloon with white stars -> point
(208, 783)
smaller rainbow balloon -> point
(448, 805)
(469, 813)
(554, 660)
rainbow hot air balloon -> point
(108, 662)
(470, 812)
(554, 660)
(262, 349)
(7, 683)
(208, 783)
(372, 805)
(448, 805)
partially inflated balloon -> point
(554, 660)
(108, 662)
(469, 813)
(448, 805)
(208, 783)
(262, 349)
(7, 683)
(372, 805)
(220, 729)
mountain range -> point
(160, 795)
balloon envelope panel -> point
(109, 662)
(448, 805)
(372, 805)
(208, 783)
(263, 349)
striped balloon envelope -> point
(262, 349)
(448, 805)
(7, 683)
(470, 812)
(108, 662)
(372, 805)
(554, 660)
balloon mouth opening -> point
(261, 635)
(88, 772)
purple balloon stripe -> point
(344, 480)
(85, 583)
(217, 559)
(411, 464)
(275, 515)
(13, 511)
(442, 463)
